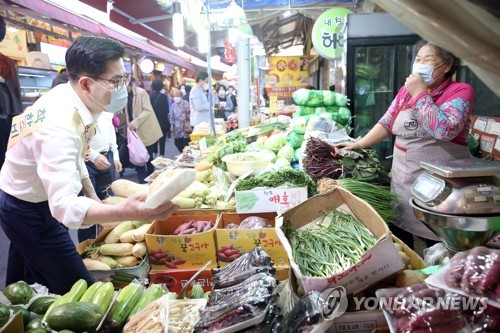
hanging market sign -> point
(286, 74)
(329, 32)
(14, 44)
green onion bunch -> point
(330, 249)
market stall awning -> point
(86, 23)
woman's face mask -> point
(425, 72)
(119, 98)
(183, 91)
(177, 99)
(205, 86)
(222, 93)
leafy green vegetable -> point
(275, 142)
(304, 111)
(301, 96)
(255, 147)
(286, 152)
(277, 179)
(295, 140)
(282, 162)
(341, 100)
(246, 201)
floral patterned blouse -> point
(179, 113)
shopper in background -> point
(161, 106)
(179, 118)
(231, 92)
(142, 119)
(228, 108)
(198, 101)
(59, 79)
(103, 162)
(186, 95)
(430, 119)
(44, 170)
(182, 89)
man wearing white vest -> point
(44, 169)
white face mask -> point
(119, 98)
(425, 72)
(205, 86)
(222, 93)
(177, 100)
(183, 91)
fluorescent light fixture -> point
(233, 35)
(178, 25)
(203, 40)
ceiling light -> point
(178, 25)
(233, 16)
(287, 13)
(146, 65)
(203, 40)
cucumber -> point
(125, 301)
(90, 292)
(104, 296)
(75, 316)
(41, 304)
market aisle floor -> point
(170, 152)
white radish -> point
(116, 250)
(114, 200)
(125, 188)
(140, 233)
(114, 235)
(139, 250)
(95, 265)
(127, 236)
(128, 261)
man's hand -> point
(101, 162)
(130, 209)
(415, 85)
(131, 127)
(118, 166)
(86, 157)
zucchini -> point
(41, 304)
(151, 294)
(75, 316)
(76, 291)
(125, 301)
(104, 296)
(91, 291)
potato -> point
(408, 278)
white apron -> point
(413, 145)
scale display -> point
(426, 188)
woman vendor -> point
(430, 119)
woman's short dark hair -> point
(60, 79)
(89, 55)
(448, 57)
(201, 76)
(187, 88)
(157, 85)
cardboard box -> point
(415, 261)
(194, 250)
(245, 240)
(380, 261)
(358, 322)
(176, 279)
(269, 200)
(14, 325)
(282, 273)
(140, 272)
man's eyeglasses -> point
(118, 83)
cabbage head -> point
(282, 162)
(299, 125)
(275, 142)
(287, 152)
(301, 96)
(319, 110)
(295, 140)
(328, 98)
(341, 99)
(255, 147)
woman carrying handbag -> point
(179, 120)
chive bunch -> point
(330, 249)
